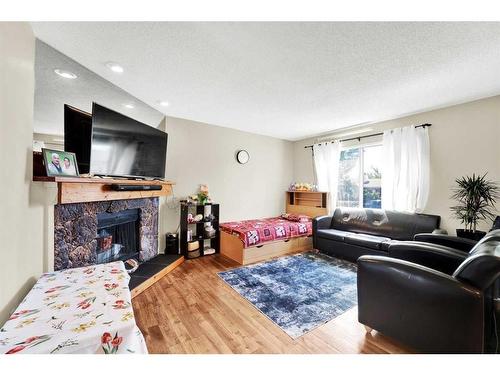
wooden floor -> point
(191, 310)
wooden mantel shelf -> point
(93, 189)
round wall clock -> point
(242, 156)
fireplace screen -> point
(117, 235)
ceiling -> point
(52, 92)
(289, 80)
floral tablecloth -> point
(79, 310)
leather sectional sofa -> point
(433, 298)
(352, 232)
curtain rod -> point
(365, 136)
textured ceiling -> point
(289, 80)
(52, 92)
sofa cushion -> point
(366, 240)
(377, 222)
(332, 234)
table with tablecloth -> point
(79, 310)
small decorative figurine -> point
(303, 186)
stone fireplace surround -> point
(75, 230)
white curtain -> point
(405, 171)
(326, 167)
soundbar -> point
(134, 187)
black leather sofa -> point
(458, 243)
(352, 232)
(433, 298)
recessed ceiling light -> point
(163, 103)
(130, 106)
(114, 67)
(65, 73)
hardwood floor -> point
(191, 310)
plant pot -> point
(476, 236)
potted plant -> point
(476, 197)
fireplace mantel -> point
(88, 189)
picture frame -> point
(60, 163)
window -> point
(349, 181)
(372, 188)
(359, 177)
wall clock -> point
(242, 156)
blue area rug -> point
(298, 293)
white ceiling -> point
(289, 80)
(52, 92)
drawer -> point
(305, 243)
(269, 250)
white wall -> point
(205, 154)
(21, 230)
(464, 140)
(54, 142)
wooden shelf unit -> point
(93, 189)
(311, 203)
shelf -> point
(93, 189)
(105, 180)
(197, 205)
(198, 239)
(199, 235)
(203, 222)
(311, 203)
(306, 191)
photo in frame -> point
(60, 163)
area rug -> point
(298, 293)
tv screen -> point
(124, 147)
(77, 136)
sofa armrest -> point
(421, 307)
(437, 257)
(321, 222)
(440, 231)
(463, 244)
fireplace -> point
(117, 235)
(100, 232)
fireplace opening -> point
(117, 235)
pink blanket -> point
(254, 232)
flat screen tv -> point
(77, 136)
(124, 147)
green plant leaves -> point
(476, 197)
